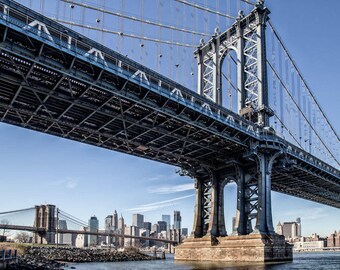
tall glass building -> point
(93, 227)
(177, 220)
(166, 218)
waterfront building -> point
(291, 230)
(108, 223)
(166, 218)
(93, 227)
(334, 239)
(162, 226)
(115, 221)
(309, 246)
(82, 239)
(138, 220)
(177, 220)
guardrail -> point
(7, 257)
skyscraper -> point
(155, 228)
(162, 226)
(166, 218)
(177, 220)
(147, 226)
(108, 223)
(138, 220)
(93, 227)
(121, 223)
(115, 221)
(291, 230)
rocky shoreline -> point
(52, 258)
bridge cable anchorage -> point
(124, 34)
(136, 19)
(302, 113)
(206, 9)
(16, 211)
(302, 78)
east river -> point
(317, 260)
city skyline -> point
(81, 179)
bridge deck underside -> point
(306, 182)
(49, 90)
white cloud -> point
(308, 214)
(158, 205)
(161, 178)
(171, 189)
(68, 183)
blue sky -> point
(84, 180)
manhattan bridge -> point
(207, 86)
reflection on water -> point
(325, 260)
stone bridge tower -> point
(252, 170)
(45, 218)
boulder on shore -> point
(52, 258)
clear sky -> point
(84, 180)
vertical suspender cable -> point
(299, 114)
(273, 44)
(177, 64)
(172, 40)
(141, 44)
(281, 93)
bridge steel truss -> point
(55, 81)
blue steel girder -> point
(58, 87)
(15, 54)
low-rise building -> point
(334, 239)
(309, 246)
(82, 240)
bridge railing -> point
(7, 257)
(300, 154)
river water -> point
(317, 260)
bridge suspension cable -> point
(301, 111)
(249, 2)
(302, 78)
(73, 219)
(206, 9)
(136, 19)
(17, 211)
(125, 34)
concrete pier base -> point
(245, 248)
